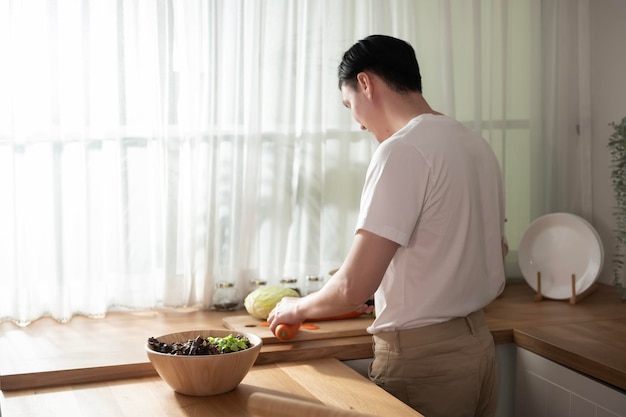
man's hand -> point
(286, 311)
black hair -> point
(390, 58)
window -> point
(148, 149)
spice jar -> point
(225, 296)
(256, 284)
(290, 283)
(313, 283)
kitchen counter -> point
(516, 308)
(588, 336)
(596, 348)
(326, 381)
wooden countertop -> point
(516, 308)
(326, 381)
(589, 337)
(92, 350)
(595, 348)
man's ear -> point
(365, 83)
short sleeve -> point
(394, 190)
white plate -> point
(559, 245)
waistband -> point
(470, 324)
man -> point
(429, 241)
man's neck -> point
(402, 108)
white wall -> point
(608, 104)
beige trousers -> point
(447, 369)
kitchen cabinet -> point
(545, 388)
(505, 353)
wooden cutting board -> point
(327, 329)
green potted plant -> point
(617, 149)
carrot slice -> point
(307, 323)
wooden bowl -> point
(202, 375)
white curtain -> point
(151, 148)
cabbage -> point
(260, 302)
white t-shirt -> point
(435, 187)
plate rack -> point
(574, 298)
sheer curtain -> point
(149, 149)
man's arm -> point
(351, 286)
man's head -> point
(380, 83)
(392, 59)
